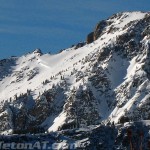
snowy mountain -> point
(105, 80)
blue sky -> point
(53, 25)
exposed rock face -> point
(99, 29)
(81, 44)
(90, 38)
(38, 51)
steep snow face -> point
(124, 18)
(104, 80)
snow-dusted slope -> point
(101, 81)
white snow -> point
(39, 68)
(58, 122)
(128, 17)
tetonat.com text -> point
(45, 145)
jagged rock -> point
(81, 44)
(99, 29)
(90, 38)
(38, 51)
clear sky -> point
(52, 25)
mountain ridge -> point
(105, 80)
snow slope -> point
(111, 72)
